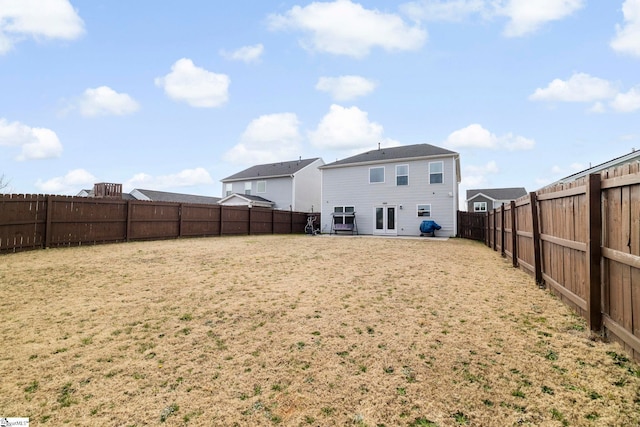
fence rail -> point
(582, 241)
(45, 221)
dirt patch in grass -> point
(298, 330)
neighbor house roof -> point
(511, 193)
(249, 199)
(271, 170)
(618, 161)
(91, 193)
(393, 153)
(163, 196)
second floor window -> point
(376, 175)
(247, 188)
(402, 175)
(436, 173)
(228, 189)
(261, 187)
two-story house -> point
(291, 185)
(390, 191)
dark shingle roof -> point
(163, 196)
(393, 153)
(271, 170)
(511, 193)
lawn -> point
(297, 331)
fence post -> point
(487, 233)
(273, 220)
(47, 229)
(180, 221)
(514, 235)
(221, 221)
(502, 232)
(495, 230)
(594, 252)
(249, 225)
(536, 239)
(129, 213)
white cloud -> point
(36, 143)
(580, 87)
(345, 88)
(557, 172)
(40, 19)
(245, 54)
(71, 183)
(268, 138)
(194, 85)
(478, 176)
(475, 136)
(103, 101)
(627, 39)
(597, 108)
(627, 102)
(527, 16)
(345, 28)
(440, 10)
(184, 178)
(348, 129)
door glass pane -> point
(391, 218)
(379, 219)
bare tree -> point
(3, 183)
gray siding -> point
(349, 186)
(279, 190)
(478, 199)
(307, 189)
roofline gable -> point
(387, 161)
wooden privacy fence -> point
(582, 241)
(44, 221)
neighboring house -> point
(114, 191)
(633, 156)
(236, 199)
(392, 190)
(292, 185)
(487, 199)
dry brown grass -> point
(295, 331)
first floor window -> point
(343, 214)
(261, 187)
(402, 174)
(424, 210)
(479, 206)
(247, 188)
(228, 189)
(436, 172)
(376, 175)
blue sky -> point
(175, 96)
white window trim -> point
(418, 210)
(479, 204)
(434, 173)
(343, 213)
(407, 175)
(258, 187)
(383, 174)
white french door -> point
(385, 220)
